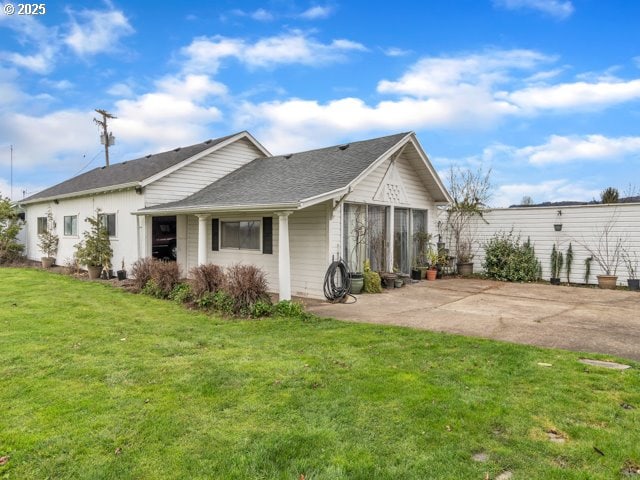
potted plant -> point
(421, 262)
(607, 253)
(48, 242)
(122, 273)
(94, 250)
(569, 261)
(465, 257)
(388, 279)
(631, 263)
(556, 265)
(359, 237)
(433, 264)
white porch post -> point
(392, 218)
(284, 262)
(203, 223)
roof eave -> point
(82, 193)
(217, 208)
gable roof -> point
(132, 172)
(291, 181)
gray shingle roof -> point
(125, 172)
(289, 179)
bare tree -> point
(470, 191)
(608, 249)
(526, 201)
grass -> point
(98, 383)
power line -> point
(87, 164)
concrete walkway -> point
(581, 319)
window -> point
(108, 220)
(420, 238)
(242, 235)
(42, 225)
(71, 226)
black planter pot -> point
(557, 227)
(440, 272)
(416, 274)
(122, 275)
(634, 284)
(554, 281)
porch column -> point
(284, 262)
(203, 223)
(390, 239)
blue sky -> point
(544, 92)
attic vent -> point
(148, 156)
(288, 156)
(208, 142)
(124, 162)
(176, 149)
(343, 147)
(103, 167)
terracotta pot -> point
(607, 281)
(431, 274)
(47, 262)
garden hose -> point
(336, 288)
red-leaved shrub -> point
(208, 278)
(246, 284)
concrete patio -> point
(573, 318)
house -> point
(229, 201)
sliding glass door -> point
(401, 258)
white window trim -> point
(77, 235)
(240, 219)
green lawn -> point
(100, 383)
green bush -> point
(261, 309)
(206, 301)
(152, 289)
(181, 293)
(287, 308)
(223, 302)
(10, 225)
(507, 258)
(372, 281)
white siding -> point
(308, 237)
(124, 244)
(580, 225)
(199, 174)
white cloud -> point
(121, 89)
(262, 15)
(445, 76)
(576, 96)
(560, 9)
(565, 149)
(546, 191)
(176, 113)
(316, 12)
(43, 42)
(58, 84)
(98, 32)
(395, 52)
(204, 54)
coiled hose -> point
(337, 282)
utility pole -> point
(106, 138)
(11, 147)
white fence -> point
(581, 226)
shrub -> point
(372, 281)
(141, 271)
(95, 248)
(287, 308)
(181, 293)
(205, 301)
(152, 289)
(166, 275)
(10, 225)
(222, 302)
(506, 258)
(261, 309)
(208, 278)
(246, 284)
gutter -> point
(111, 188)
(219, 208)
